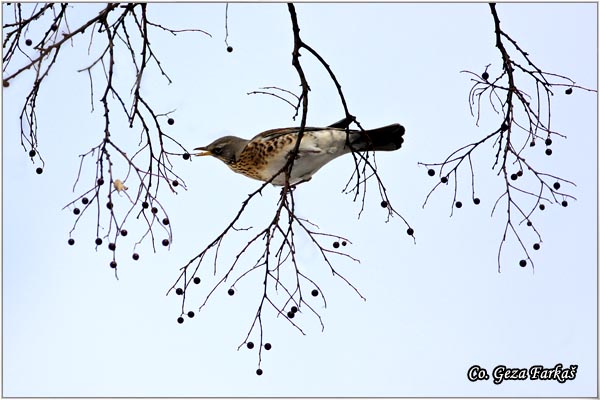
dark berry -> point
(520, 172)
(112, 246)
(444, 179)
(514, 177)
(548, 142)
(85, 200)
(529, 223)
(258, 371)
(410, 231)
(175, 183)
(179, 291)
(32, 153)
(135, 256)
(54, 27)
(315, 292)
(556, 185)
(170, 121)
(536, 246)
(113, 264)
(523, 263)
(267, 346)
(294, 309)
(145, 204)
(336, 244)
(384, 204)
(476, 200)
(166, 221)
(431, 172)
(344, 243)
(5, 83)
(76, 211)
(28, 42)
(165, 242)
(229, 50)
(71, 242)
(191, 314)
(186, 156)
(100, 182)
(196, 280)
(564, 203)
(250, 345)
(503, 127)
(548, 152)
(542, 207)
(532, 144)
(291, 314)
(180, 320)
(485, 76)
(123, 232)
(458, 204)
(230, 292)
(154, 210)
(39, 170)
(569, 91)
(98, 241)
(109, 205)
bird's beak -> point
(206, 152)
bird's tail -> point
(386, 138)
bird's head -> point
(226, 149)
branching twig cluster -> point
(525, 120)
(124, 26)
(285, 284)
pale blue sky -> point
(433, 309)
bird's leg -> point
(298, 183)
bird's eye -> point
(217, 150)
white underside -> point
(316, 149)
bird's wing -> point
(343, 123)
(275, 133)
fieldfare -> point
(265, 154)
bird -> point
(265, 155)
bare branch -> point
(525, 119)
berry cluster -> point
(92, 199)
(511, 179)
